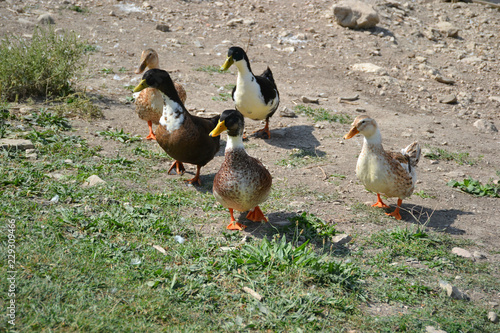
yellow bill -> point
(141, 86)
(221, 127)
(229, 61)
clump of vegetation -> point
(77, 105)
(301, 157)
(43, 118)
(209, 69)
(42, 67)
(459, 157)
(475, 187)
(222, 97)
(120, 136)
(321, 114)
(311, 226)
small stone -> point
(448, 99)
(493, 317)
(461, 252)
(355, 14)
(369, 68)
(234, 22)
(286, 112)
(92, 181)
(198, 44)
(479, 255)
(448, 29)
(341, 239)
(112, 13)
(453, 291)
(309, 100)
(432, 329)
(17, 144)
(46, 19)
(494, 98)
(485, 126)
(26, 22)
(163, 27)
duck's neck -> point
(373, 141)
(244, 71)
(173, 114)
(234, 143)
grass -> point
(460, 157)
(222, 97)
(77, 105)
(321, 114)
(120, 136)
(209, 69)
(301, 157)
(92, 260)
(476, 188)
(424, 195)
(44, 66)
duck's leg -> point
(196, 178)
(395, 213)
(265, 131)
(151, 135)
(234, 225)
(179, 168)
(379, 203)
(256, 215)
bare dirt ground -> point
(312, 56)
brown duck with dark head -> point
(183, 136)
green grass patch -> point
(424, 195)
(44, 66)
(222, 97)
(321, 114)
(301, 157)
(209, 69)
(476, 188)
(460, 157)
(120, 136)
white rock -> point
(448, 29)
(369, 68)
(432, 329)
(18, 144)
(341, 239)
(355, 14)
(234, 22)
(179, 239)
(485, 126)
(453, 291)
(92, 181)
(493, 317)
(45, 19)
(461, 252)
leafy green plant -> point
(311, 226)
(119, 135)
(222, 97)
(300, 157)
(43, 66)
(78, 9)
(424, 195)
(209, 69)
(44, 118)
(459, 157)
(475, 187)
(77, 105)
(108, 71)
(321, 114)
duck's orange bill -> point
(351, 133)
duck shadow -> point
(438, 219)
(300, 137)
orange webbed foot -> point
(256, 215)
(151, 135)
(196, 178)
(264, 133)
(380, 203)
(396, 213)
(179, 168)
(234, 225)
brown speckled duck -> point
(256, 97)
(183, 136)
(149, 102)
(391, 173)
(242, 182)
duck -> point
(392, 174)
(242, 182)
(256, 97)
(149, 102)
(181, 135)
